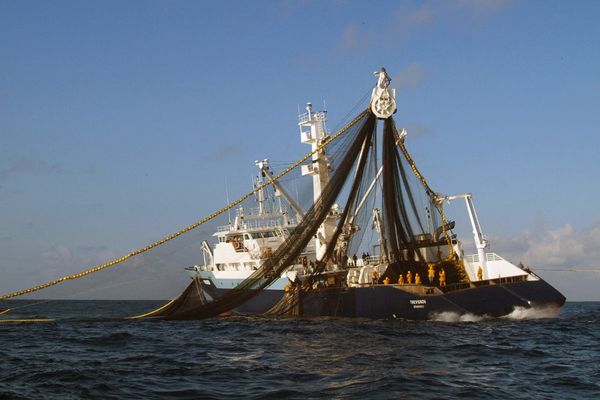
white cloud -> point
(415, 130)
(61, 259)
(563, 247)
(411, 76)
(152, 275)
(412, 17)
(357, 38)
(352, 38)
(28, 165)
(224, 150)
(409, 17)
(483, 6)
(568, 258)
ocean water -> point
(529, 355)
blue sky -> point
(120, 122)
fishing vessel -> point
(243, 244)
(281, 259)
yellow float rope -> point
(24, 320)
(411, 162)
(114, 262)
(149, 313)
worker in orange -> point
(442, 277)
(417, 279)
(386, 281)
(374, 276)
(479, 273)
(400, 279)
(431, 273)
(409, 277)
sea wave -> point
(521, 313)
(449, 316)
(529, 354)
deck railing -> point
(474, 258)
(257, 224)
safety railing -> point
(318, 115)
(474, 258)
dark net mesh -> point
(406, 243)
(286, 254)
(345, 232)
(413, 245)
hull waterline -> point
(402, 301)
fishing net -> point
(348, 234)
(285, 255)
(407, 243)
(156, 271)
(377, 205)
(413, 245)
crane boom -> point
(478, 236)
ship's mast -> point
(260, 194)
(313, 132)
(264, 170)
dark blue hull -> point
(399, 301)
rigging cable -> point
(430, 193)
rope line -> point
(153, 311)
(597, 270)
(411, 162)
(25, 320)
(114, 262)
(430, 193)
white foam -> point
(520, 313)
(449, 316)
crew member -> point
(386, 281)
(479, 273)
(400, 279)
(431, 273)
(417, 279)
(409, 277)
(375, 276)
(442, 277)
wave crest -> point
(519, 313)
(449, 316)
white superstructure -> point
(313, 132)
(244, 244)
